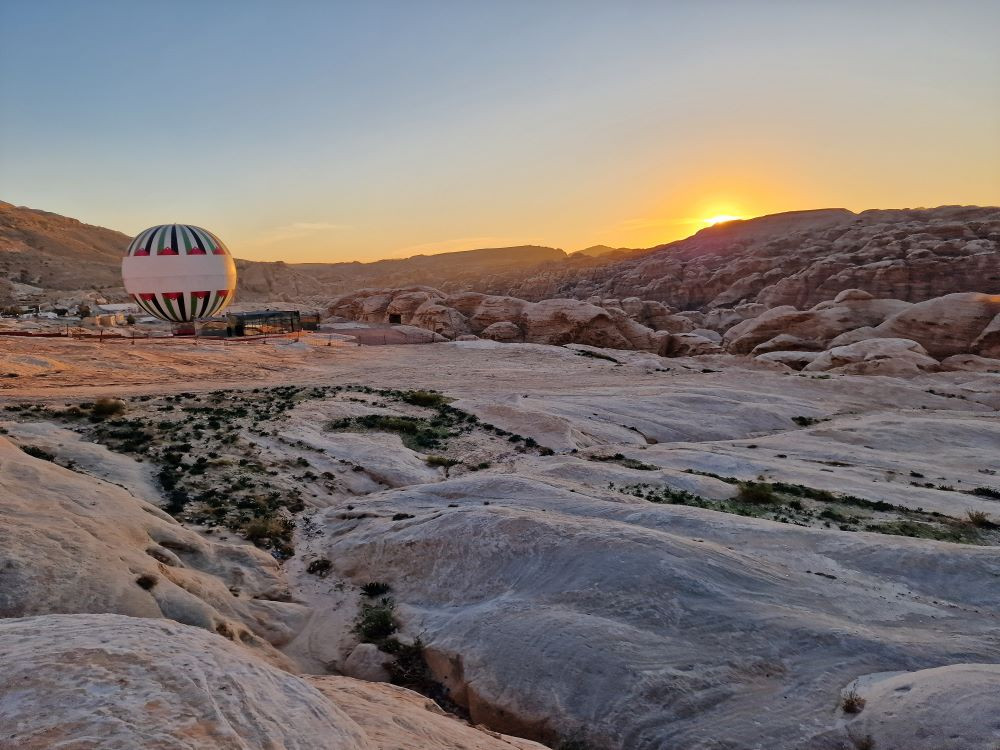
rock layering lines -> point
(89, 681)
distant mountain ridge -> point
(795, 258)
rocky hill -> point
(798, 258)
(57, 253)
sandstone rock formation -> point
(73, 543)
(945, 708)
(953, 324)
(507, 319)
(122, 683)
(721, 637)
(875, 357)
(818, 325)
(799, 258)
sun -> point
(721, 219)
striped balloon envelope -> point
(179, 272)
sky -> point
(332, 131)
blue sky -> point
(332, 131)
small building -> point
(264, 322)
(257, 323)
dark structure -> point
(258, 323)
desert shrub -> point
(409, 669)
(441, 461)
(373, 589)
(107, 407)
(989, 492)
(376, 621)
(429, 399)
(36, 452)
(401, 516)
(319, 567)
(804, 421)
(852, 702)
(756, 493)
(265, 527)
(979, 519)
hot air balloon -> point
(179, 272)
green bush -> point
(756, 493)
(107, 407)
(377, 621)
(373, 589)
(429, 399)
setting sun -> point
(721, 218)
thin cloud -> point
(298, 229)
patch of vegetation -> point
(990, 492)
(442, 461)
(36, 452)
(852, 702)
(377, 621)
(416, 433)
(628, 463)
(980, 519)
(402, 516)
(373, 589)
(808, 506)
(107, 407)
(954, 532)
(429, 399)
(756, 493)
(319, 567)
(727, 480)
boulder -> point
(504, 331)
(987, 344)
(970, 363)
(691, 345)
(794, 359)
(896, 357)
(821, 323)
(947, 325)
(366, 662)
(442, 320)
(707, 333)
(785, 342)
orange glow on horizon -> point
(721, 219)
